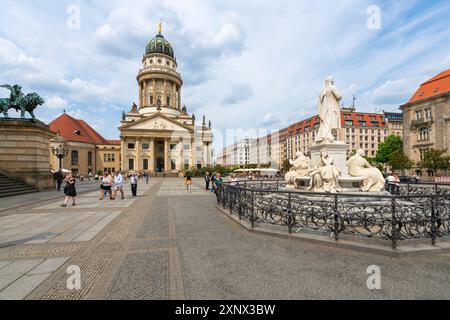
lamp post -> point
(60, 152)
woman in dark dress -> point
(69, 190)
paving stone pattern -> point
(171, 244)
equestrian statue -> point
(19, 101)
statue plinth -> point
(337, 150)
(25, 153)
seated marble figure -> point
(300, 168)
(325, 178)
(360, 167)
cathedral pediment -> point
(158, 122)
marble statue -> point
(360, 167)
(325, 178)
(329, 112)
(300, 168)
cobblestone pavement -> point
(171, 244)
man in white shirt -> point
(118, 185)
(134, 183)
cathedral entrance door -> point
(160, 165)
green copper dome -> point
(159, 45)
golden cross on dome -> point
(160, 27)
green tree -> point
(399, 161)
(286, 166)
(392, 144)
(435, 160)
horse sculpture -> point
(19, 101)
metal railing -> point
(420, 211)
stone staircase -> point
(10, 187)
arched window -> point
(168, 100)
(89, 158)
(74, 157)
(150, 99)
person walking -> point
(213, 182)
(207, 180)
(188, 183)
(134, 184)
(218, 182)
(118, 185)
(69, 190)
(106, 186)
(59, 178)
(147, 177)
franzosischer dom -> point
(158, 134)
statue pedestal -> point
(337, 150)
(25, 152)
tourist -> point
(391, 181)
(213, 182)
(188, 183)
(69, 190)
(218, 182)
(207, 180)
(118, 185)
(59, 177)
(90, 176)
(96, 177)
(147, 177)
(233, 180)
(134, 184)
(106, 185)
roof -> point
(436, 86)
(159, 45)
(69, 127)
(359, 119)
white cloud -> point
(56, 102)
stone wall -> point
(24, 152)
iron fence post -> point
(394, 225)
(433, 220)
(336, 218)
(252, 220)
(290, 218)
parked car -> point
(408, 179)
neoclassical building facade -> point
(158, 134)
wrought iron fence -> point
(420, 211)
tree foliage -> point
(392, 144)
(399, 161)
(434, 160)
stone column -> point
(179, 98)
(174, 95)
(153, 153)
(166, 155)
(137, 165)
(193, 153)
(144, 95)
(140, 95)
(155, 98)
(165, 92)
(122, 154)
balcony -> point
(421, 123)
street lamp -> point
(60, 152)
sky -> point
(245, 64)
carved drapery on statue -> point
(325, 178)
(329, 112)
(360, 167)
(300, 168)
(20, 102)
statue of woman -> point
(300, 168)
(326, 177)
(329, 111)
(360, 167)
